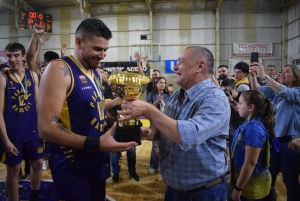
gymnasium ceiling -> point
(107, 7)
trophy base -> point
(128, 133)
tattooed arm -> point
(52, 94)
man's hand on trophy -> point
(109, 144)
(132, 109)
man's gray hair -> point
(202, 53)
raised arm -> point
(137, 57)
(31, 49)
(53, 87)
(253, 78)
(63, 50)
(261, 73)
(42, 40)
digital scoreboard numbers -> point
(29, 18)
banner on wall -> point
(119, 66)
(294, 59)
(245, 49)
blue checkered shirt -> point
(203, 125)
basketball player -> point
(72, 115)
(18, 123)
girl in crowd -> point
(250, 150)
(159, 97)
(285, 96)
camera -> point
(227, 92)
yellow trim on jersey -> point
(72, 79)
(64, 117)
(3, 158)
(13, 77)
(6, 78)
(78, 64)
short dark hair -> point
(243, 66)
(91, 27)
(227, 82)
(13, 47)
(171, 85)
(156, 71)
(222, 66)
(271, 65)
(49, 56)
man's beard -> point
(222, 77)
(88, 63)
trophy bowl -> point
(128, 86)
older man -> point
(192, 131)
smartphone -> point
(254, 57)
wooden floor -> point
(150, 187)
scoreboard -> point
(29, 18)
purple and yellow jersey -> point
(83, 113)
(20, 114)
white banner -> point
(294, 59)
(245, 49)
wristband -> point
(237, 188)
(91, 144)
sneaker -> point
(134, 176)
(152, 170)
(45, 165)
(115, 177)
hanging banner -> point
(294, 59)
(119, 66)
(245, 49)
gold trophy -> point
(128, 86)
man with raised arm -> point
(72, 116)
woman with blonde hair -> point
(285, 96)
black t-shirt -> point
(235, 119)
(150, 87)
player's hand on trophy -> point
(109, 144)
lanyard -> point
(24, 88)
(93, 80)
